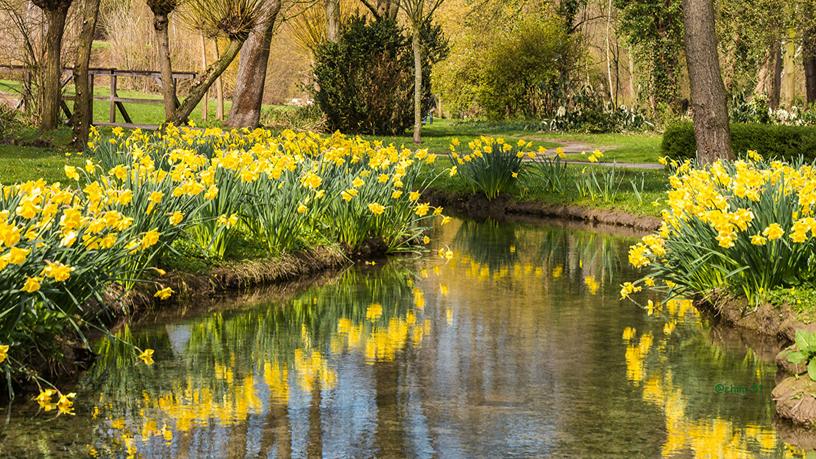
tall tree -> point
(234, 19)
(420, 13)
(161, 21)
(708, 100)
(655, 29)
(83, 103)
(55, 13)
(247, 97)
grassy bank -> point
(646, 201)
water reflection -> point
(515, 346)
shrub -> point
(527, 72)
(773, 141)
(492, 166)
(364, 82)
(745, 226)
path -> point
(571, 147)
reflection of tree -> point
(490, 242)
(227, 368)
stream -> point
(511, 342)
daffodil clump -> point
(492, 166)
(63, 245)
(292, 190)
(747, 226)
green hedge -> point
(771, 141)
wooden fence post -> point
(112, 113)
(91, 96)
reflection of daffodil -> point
(147, 356)
(65, 403)
(374, 312)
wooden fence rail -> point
(116, 103)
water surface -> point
(507, 340)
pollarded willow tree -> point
(56, 14)
(83, 103)
(161, 21)
(252, 64)
(420, 14)
(233, 19)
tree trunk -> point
(332, 19)
(775, 81)
(789, 69)
(709, 105)
(769, 78)
(247, 98)
(52, 65)
(809, 60)
(417, 46)
(83, 104)
(202, 83)
(608, 59)
(632, 83)
(160, 23)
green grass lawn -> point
(139, 113)
(620, 147)
(437, 137)
(19, 164)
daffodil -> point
(32, 284)
(65, 404)
(376, 209)
(164, 293)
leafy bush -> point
(530, 71)
(364, 82)
(492, 166)
(773, 141)
(745, 226)
(527, 72)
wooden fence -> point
(116, 103)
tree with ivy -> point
(655, 30)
